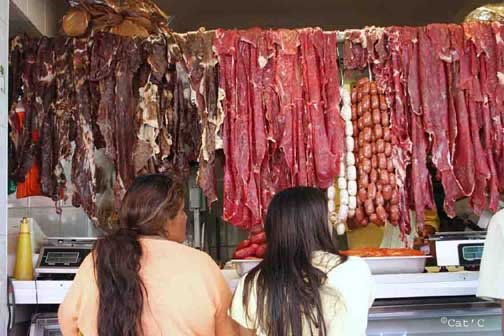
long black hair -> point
(145, 209)
(287, 284)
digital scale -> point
(57, 264)
(458, 248)
(62, 256)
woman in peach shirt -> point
(140, 280)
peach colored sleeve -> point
(68, 311)
(224, 325)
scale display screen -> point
(58, 258)
(63, 257)
(470, 254)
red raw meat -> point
(326, 163)
(463, 153)
(225, 44)
(282, 125)
(335, 125)
(478, 199)
(399, 125)
(435, 107)
(498, 29)
(287, 83)
(485, 84)
(354, 50)
(421, 184)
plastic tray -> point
(396, 265)
(243, 266)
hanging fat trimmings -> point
(351, 171)
(346, 181)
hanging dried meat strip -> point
(83, 161)
(148, 115)
(322, 103)
(103, 63)
(44, 105)
(64, 109)
(287, 84)
(125, 104)
(395, 92)
(201, 64)
(483, 95)
(434, 47)
(463, 155)
(26, 145)
(16, 62)
(282, 125)
(183, 122)
(498, 30)
(355, 50)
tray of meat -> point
(366, 252)
(391, 261)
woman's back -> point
(185, 293)
(346, 296)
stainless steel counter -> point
(435, 316)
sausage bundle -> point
(377, 196)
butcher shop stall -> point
(394, 108)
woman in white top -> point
(303, 286)
(491, 276)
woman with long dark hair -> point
(303, 286)
(140, 280)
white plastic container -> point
(396, 265)
(244, 266)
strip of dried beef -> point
(83, 161)
(201, 64)
(27, 146)
(64, 108)
(44, 104)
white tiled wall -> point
(4, 11)
(72, 222)
(3, 285)
(43, 14)
(4, 47)
(3, 180)
(4, 79)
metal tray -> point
(396, 265)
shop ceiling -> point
(328, 14)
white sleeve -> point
(491, 276)
(238, 312)
(356, 286)
(372, 289)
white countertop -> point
(388, 286)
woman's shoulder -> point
(166, 248)
(353, 281)
(352, 270)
